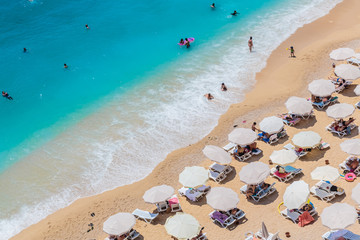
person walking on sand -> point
(250, 44)
(292, 52)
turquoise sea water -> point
(128, 85)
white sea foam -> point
(127, 138)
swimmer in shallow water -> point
(181, 41)
(212, 6)
(250, 44)
(234, 13)
(187, 43)
(25, 50)
(223, 87)
(65, 66)
(6, 95)
(209, 96)
(87, 26)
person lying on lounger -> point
(250, 190)
(240, 151)
(353, 164)
(264, 136)
(199, 235)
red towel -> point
(305, 219)
(173, 201)
(281, 175)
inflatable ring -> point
(350, 177)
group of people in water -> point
(185, 42)
(210, 97)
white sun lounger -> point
(261, 194)
(230, 146)
(162, 207)
(357, 105)
(133, 235)
(293, 216)
(323, 145)
(273, 139)
(228, 222)
(343, 166)
(281, 179)
(348, 235)
(226, 169)
(354, 61)
(291, 147)
(217, 177)
(326, 187)
(322, 194)
(144, 215)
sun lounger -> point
(322, 194)
(222, 219)
(260, 194)
(282, 134)
(162, 207)
(191, 194)
(256, 151)
(217, 177)
(203, 189)
(357, 105)
(174, 204)
(243, 157)
(226, 169)
(343, 166)
(271, 236)
(291, 147)
(282, 177)
(348, 235)
(293, 170)
(144, 215)
(292, 215)
(323, 145)
(292, 122)
(202, 237)
(326, 186)
(133, 235)
(354, 61)
(230, 146)
(341, 133)
(239, 214)
(273, 139)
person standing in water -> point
(212, 6)
(223, 87)
(65, 66)
(87, 26)
(234, 13)
(250, 44)
(25, 50)
(187, 43)
(181, 42)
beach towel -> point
(281, 175)
(292, 169)
(173, 200)
(305, 219)
(219, 216)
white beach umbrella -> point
(119, 223)
(297, 105)
(217, 154)
(340, 110)
(271, 125)
(182, 226)
(342, 53)
(283, 157)
(357, 90)
(296, 194)
(351, 146)
(221, 198)
(242, 136)
(306, 139)
(326, 173)
(254, 173)
(158, 194)
(347, 71)
(321, 88)
(357, 55)
(338, 216)
(355, 195)
(193, 176)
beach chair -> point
(221, 168)
(202, 237)
(307, 115)
(230, 146)
(354, 61)
(282, 177)
(240, 214)
(243, 157)
(320, 105)
(326, 186)
(294, 171)
(322, 194)
(145, 215)
(263, 193)
(282, 134)
(339, 133)
(256, 151)
(217, 177)
(291, 147)
(357, 105)
(203, 189)
(292, 215)
(323, 145)
(162, 207)
(340, 88)
(133, 235)
(273, 139)
(191, 194)
(343, 166)
(259, 235)
(174, 204)
(222, 219)
(348, 235)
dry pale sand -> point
(283, 77)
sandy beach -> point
(283, 77)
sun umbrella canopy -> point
(296, 194)
(283, 157)
(357, 90)
(306, 139)
(264, 231)
(221, 198)
(347, 71)
(340, 110)
(119, 223)
(297, 105)
(342, 53)
(158, 194)
(217, 154)
(351, 146)
(271, 125)
(355, 195)
(338, 216)
(182, 226)
(326, 173)
(321, 88)
(254, 173)
(242, 136)
(193, 176)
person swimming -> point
(234, 13)
(212, 5)
(181, 41)
(6, 95)
(209, 96)
(223, 87)
(25, 50)
(65, 66)
(187, 43)
(87, 26)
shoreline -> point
(71, 222)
